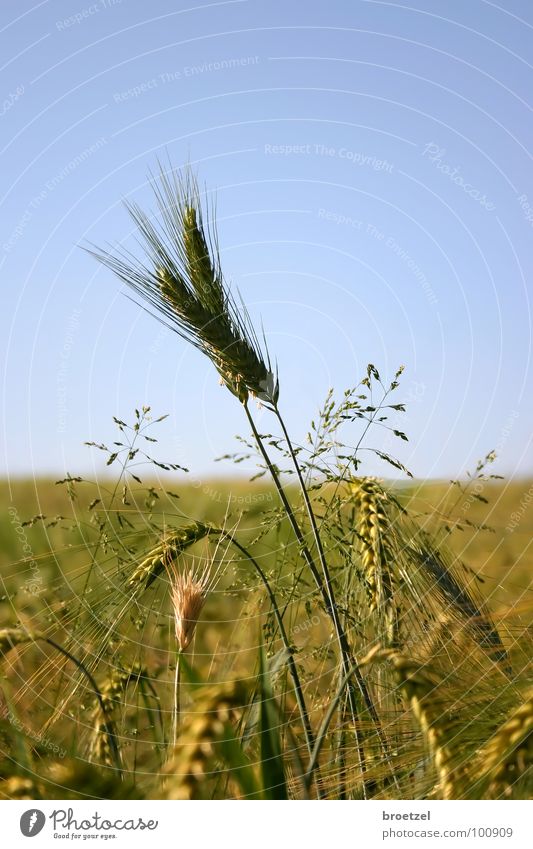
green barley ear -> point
(170, 547)
(205, 276)
(182, 282)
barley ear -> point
(456, 597)
(375, 532)
(182, 282)
(104, 715)
(171, 546)
(421, 689)
(507, 759)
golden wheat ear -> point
(373, 528)
(422, 689)
(181, 280)
(508, 757)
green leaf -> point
(274, 665)
(229, 746)
(238, 764)
(272, 769)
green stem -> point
(347, 660)
(326, 591)
(293, 670)
(177, 701)
(286, 504)
(313, 760)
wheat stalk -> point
(188, 592)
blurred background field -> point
(50, 534)
(51, 555)
(501, 552)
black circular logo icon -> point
(32, 822)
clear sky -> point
(372, 167)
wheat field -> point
(312, 633)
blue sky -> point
(375, 204)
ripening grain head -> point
(188, 592)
